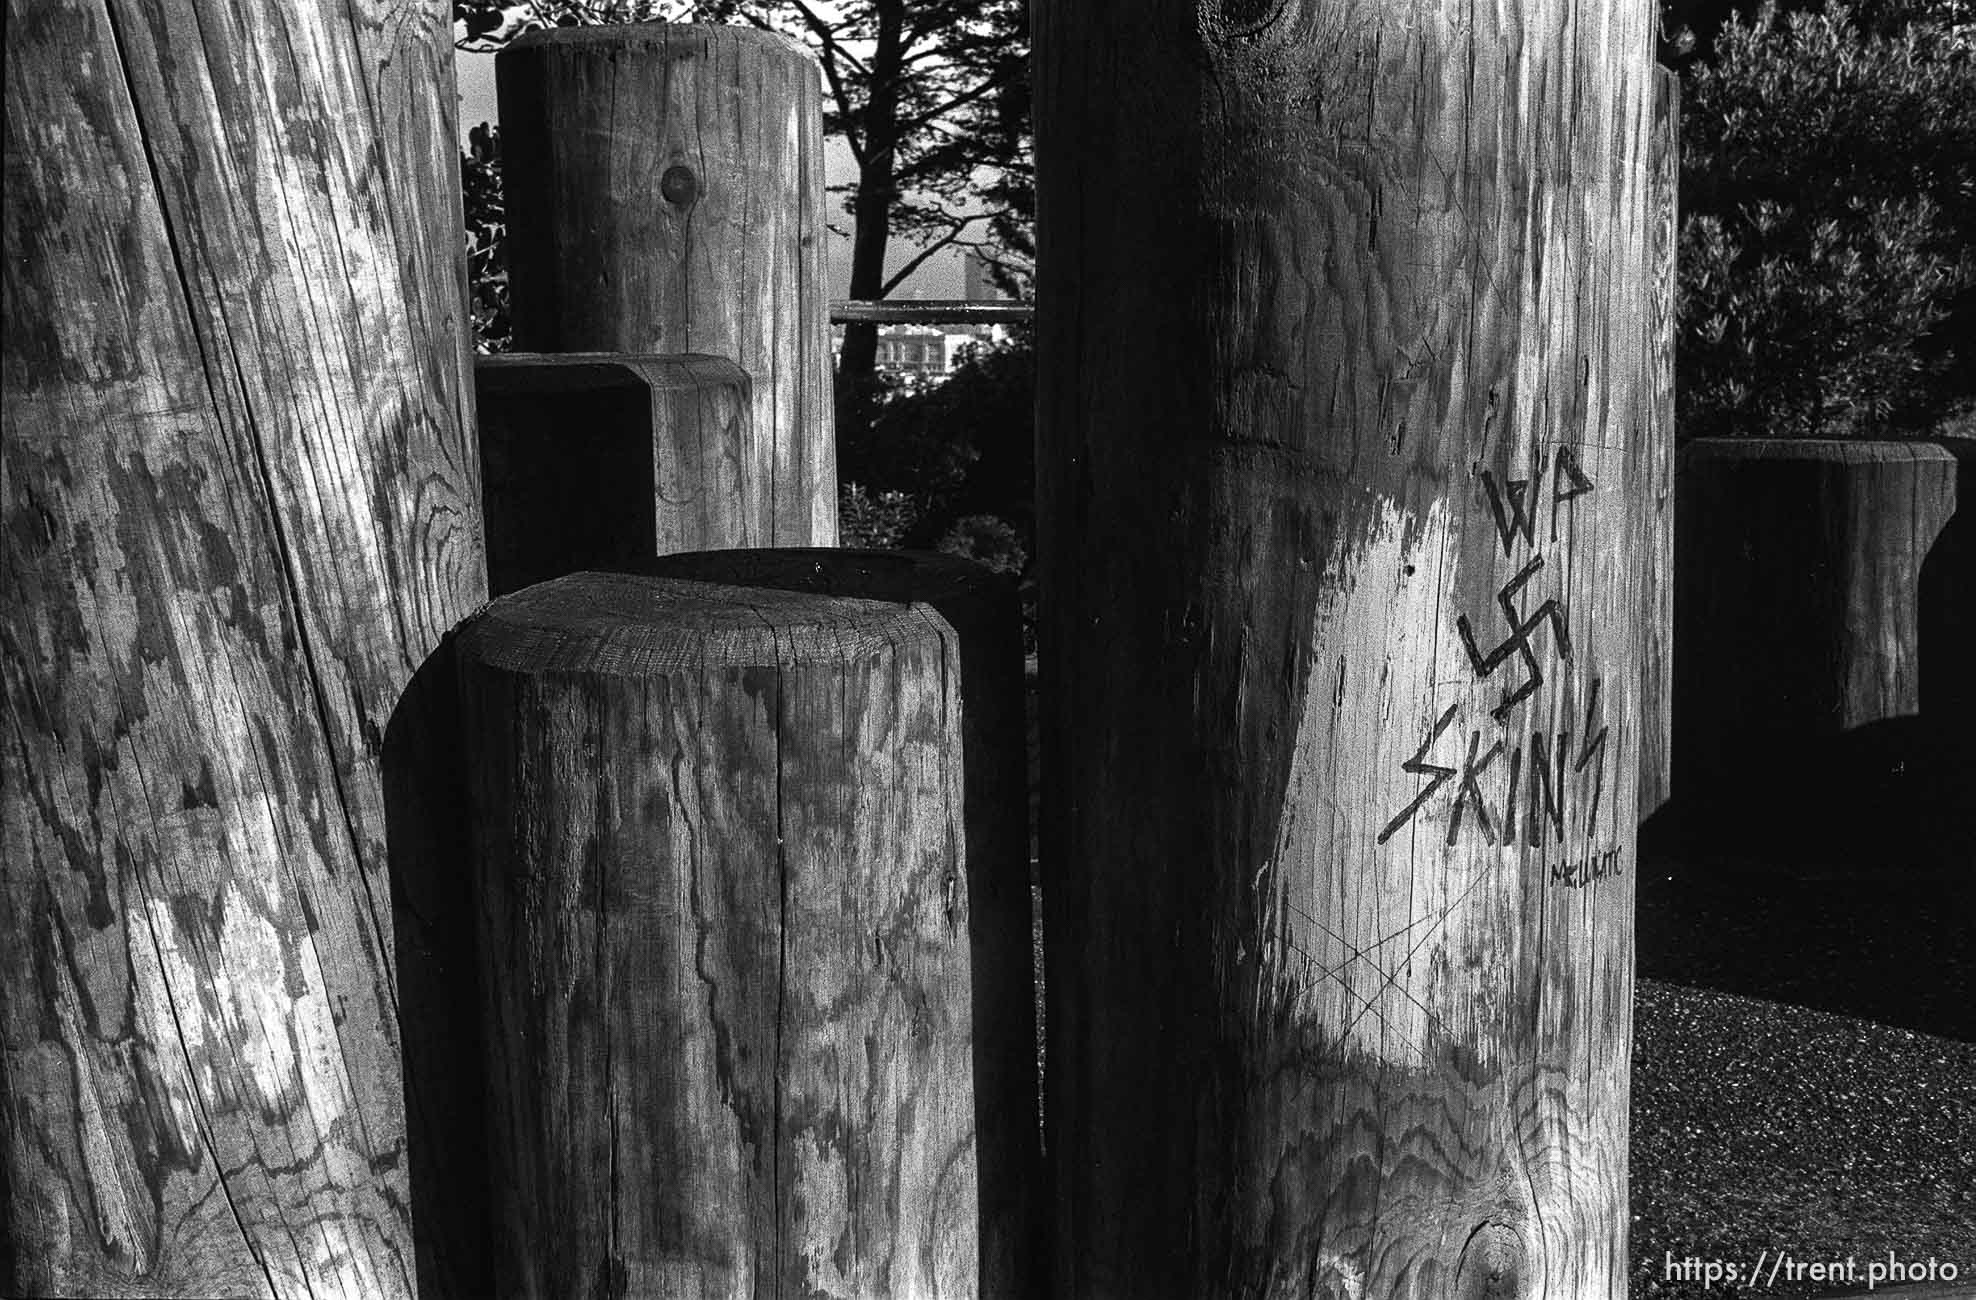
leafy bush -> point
(987, 540)
(1828, 181)
(487, 228)
(961, 447)
(874, 520)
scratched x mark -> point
(1518, 641)
(1388, 978)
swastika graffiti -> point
(1518, 641)
(1490, 787)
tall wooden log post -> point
(754, 928)
(1658, 649)
(597, 460)
(240, 512)
(665, 194)
(1344, 506)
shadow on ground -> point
(1852, 892)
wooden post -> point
(1946, 620)
(753, 907)
(665, 194)
(1657, 650)
(603, 460)
(1797, 588)
(240, 512)
(1343, 515)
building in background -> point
(978, 280)
(927, 353)
(924, 351)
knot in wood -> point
(679, 185)
(1491, 1266)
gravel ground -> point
(1764, 1127)
(1804, 1054)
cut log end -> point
(1822, 451)
(627, 624)
(926, 577)
(680, 39)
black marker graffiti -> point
(1419, 766)
(1554, 770)
(1518, 641)
(1521, 520)
(1546, 791)
(1468, 792)
(1577, 873)
(1594, 746)
(1553, 775)
(1567, 467)
(1513, 501)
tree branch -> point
(988, 84)
(833, 73)
(827, 34)
(947, 240)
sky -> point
(940, 277)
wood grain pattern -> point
(754, 926)
(1343, 510)
(665, 194)
(1797, 600)
(1657, 650)
(239, 514)
(599, 460)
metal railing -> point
(930, 311)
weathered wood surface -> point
(1658, 649)
(1946, 621)
(600, 460)
(1343, 517)
(240, 511)
(1797, 600)
(754, 929)
(665, 194)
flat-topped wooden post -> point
(665, 194)
(1799, 709)
(241, 510)
(753, 905)
(1800, 560)
(1344, 511)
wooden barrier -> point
(1658, 649)
(754, 905)
(240, 511)
(665, 195)
(1343, 525)
(1946, 620)
(1797, 607)
(603, 460)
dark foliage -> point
(485, 25)
(963, 447)
(988, 540)
(487, 228)
(867, 519)
(1829, 195)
